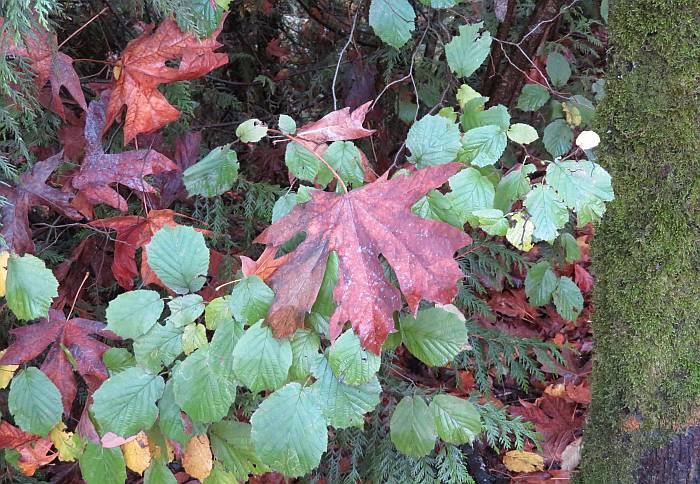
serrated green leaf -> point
(345, 159)
(558, 69)
(456, 419)
(470, 191)
(34, 402)
(549, 214)
(118, 359)
(30, 287)
(261, 361)
(522, 133)
(492, 221)
(568, 299)
(219, 475)
(99, 465)
(250, 300)
(133, 313)
(289, 431)
(218, 311)
(475, 117)
(251, 131)
(232, 445)
(468, 50)
(301, 162)
(179, 257)
(159, 346)
(571, 248)
(434, 336)
(558, 138)
(287, 124)
(352, 363)
(225, 339)
(532, 97)
(170, 418)
(283, 206)
(193, 338)
(466, 93)
(540, 283)
(434, 205)
(392, 21)
(484, 146)
(324, 306)
(512, 187)
(412, 427)
(433, 140)
(214, 174)
(305, 346)
(582, 185)
(126, 403)
(343, 405)
(185, 309)
(158, 472)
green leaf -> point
(392, 21)
(159, 346)
(345, 159)
(99, 465)
(512, 187)
(604, 9)
(214, 174)
(558, 69)
(179, 257)
(484, 146)
(492, 221)
(34, 402)
(289, 431)
(433, 140)
(476, 117)
(532, 97)
(571, 248)
(352, 363)
(466, 93)
(301, 162)
(468, 50)
(558, 138)
(30, 287)
(443, 3)
(283, 206)
(582, 185)
(250, 300)
(170, 418)
(118, 359)
(568, 299)
(185, 309)
(305, 345)
(133, 313)
(434, 336)
(218, 311)
(324, 306)
(126, 403)
(261, 361)
(225, 339)
(219, 475)
(470, 191)
(343, 405)
(232, 445)
(287, 124)
(158, 472)
(412, 427)
(206, 17)
(434, 205)
(194, 337)
(549, 214)
(456, 419)
(203, 388)
(251, 131)
(540, 283)
(522, 133)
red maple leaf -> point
(34, 455)
(142, 67)
(99, 169)
(89, 255)
(134, 232)
(49, 65)
(12, 437)
(63, 336)
(31, 191)
(360, 226)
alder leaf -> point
(434, 336)
(214, 174)
(30, 287)
(468, 50)
(34, 402)
(305, 345)
(456, 419)
(251, 131)
(558, 138)
(471, 191)
(352, 363)
(532, 97)
(558, 69)
(62, 338)
(540, 283)
(179, 257)
(568, 299)
(260, 361)
(142, 67)
(233, 446)
(522, 133)
(99, 465)
(583, 185)
(484, 146)
(250, 300)
(161, 345)
(345, 159)
(372, 220)
(549, 214)
(132, 314)
(433, 140)
(173, 423)
(412, 427)
(392, 21)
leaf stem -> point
(82, 27)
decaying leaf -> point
(65, 442)
(12, 437)
(360, 226)
(521, 461)
(339, 125)
(34, 455)
(6, 372)
(4, 257)
(137, 453)
(197, 459)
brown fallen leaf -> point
(198, 460)
(34, 455)
(339, 125)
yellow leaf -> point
(519, 461)
(155, 450)
(558, 390)
(6, 371)
(520, 235)
(197, 460)
(137, 454)
(573, 115)
(65, 442)
(4, 256)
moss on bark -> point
(646, 253)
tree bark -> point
(643, 424)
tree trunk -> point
(644, 418)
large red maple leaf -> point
(142, 67)
(32, 190)
(63, 336)
(99, 169)
(360, 226)
(49, 65)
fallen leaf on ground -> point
(521, 461)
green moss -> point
(647, 251)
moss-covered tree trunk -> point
(645, 413)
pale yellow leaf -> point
(520, 235)
(65, 442)
(137, 454)
(572, 113)
(197, 459)
(4, 256)
(520, 461)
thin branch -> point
(82, 27)
(342, 53)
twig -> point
(82, 27)
(342, 53)
(218, 288)
(77, 293)
(539, 24)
